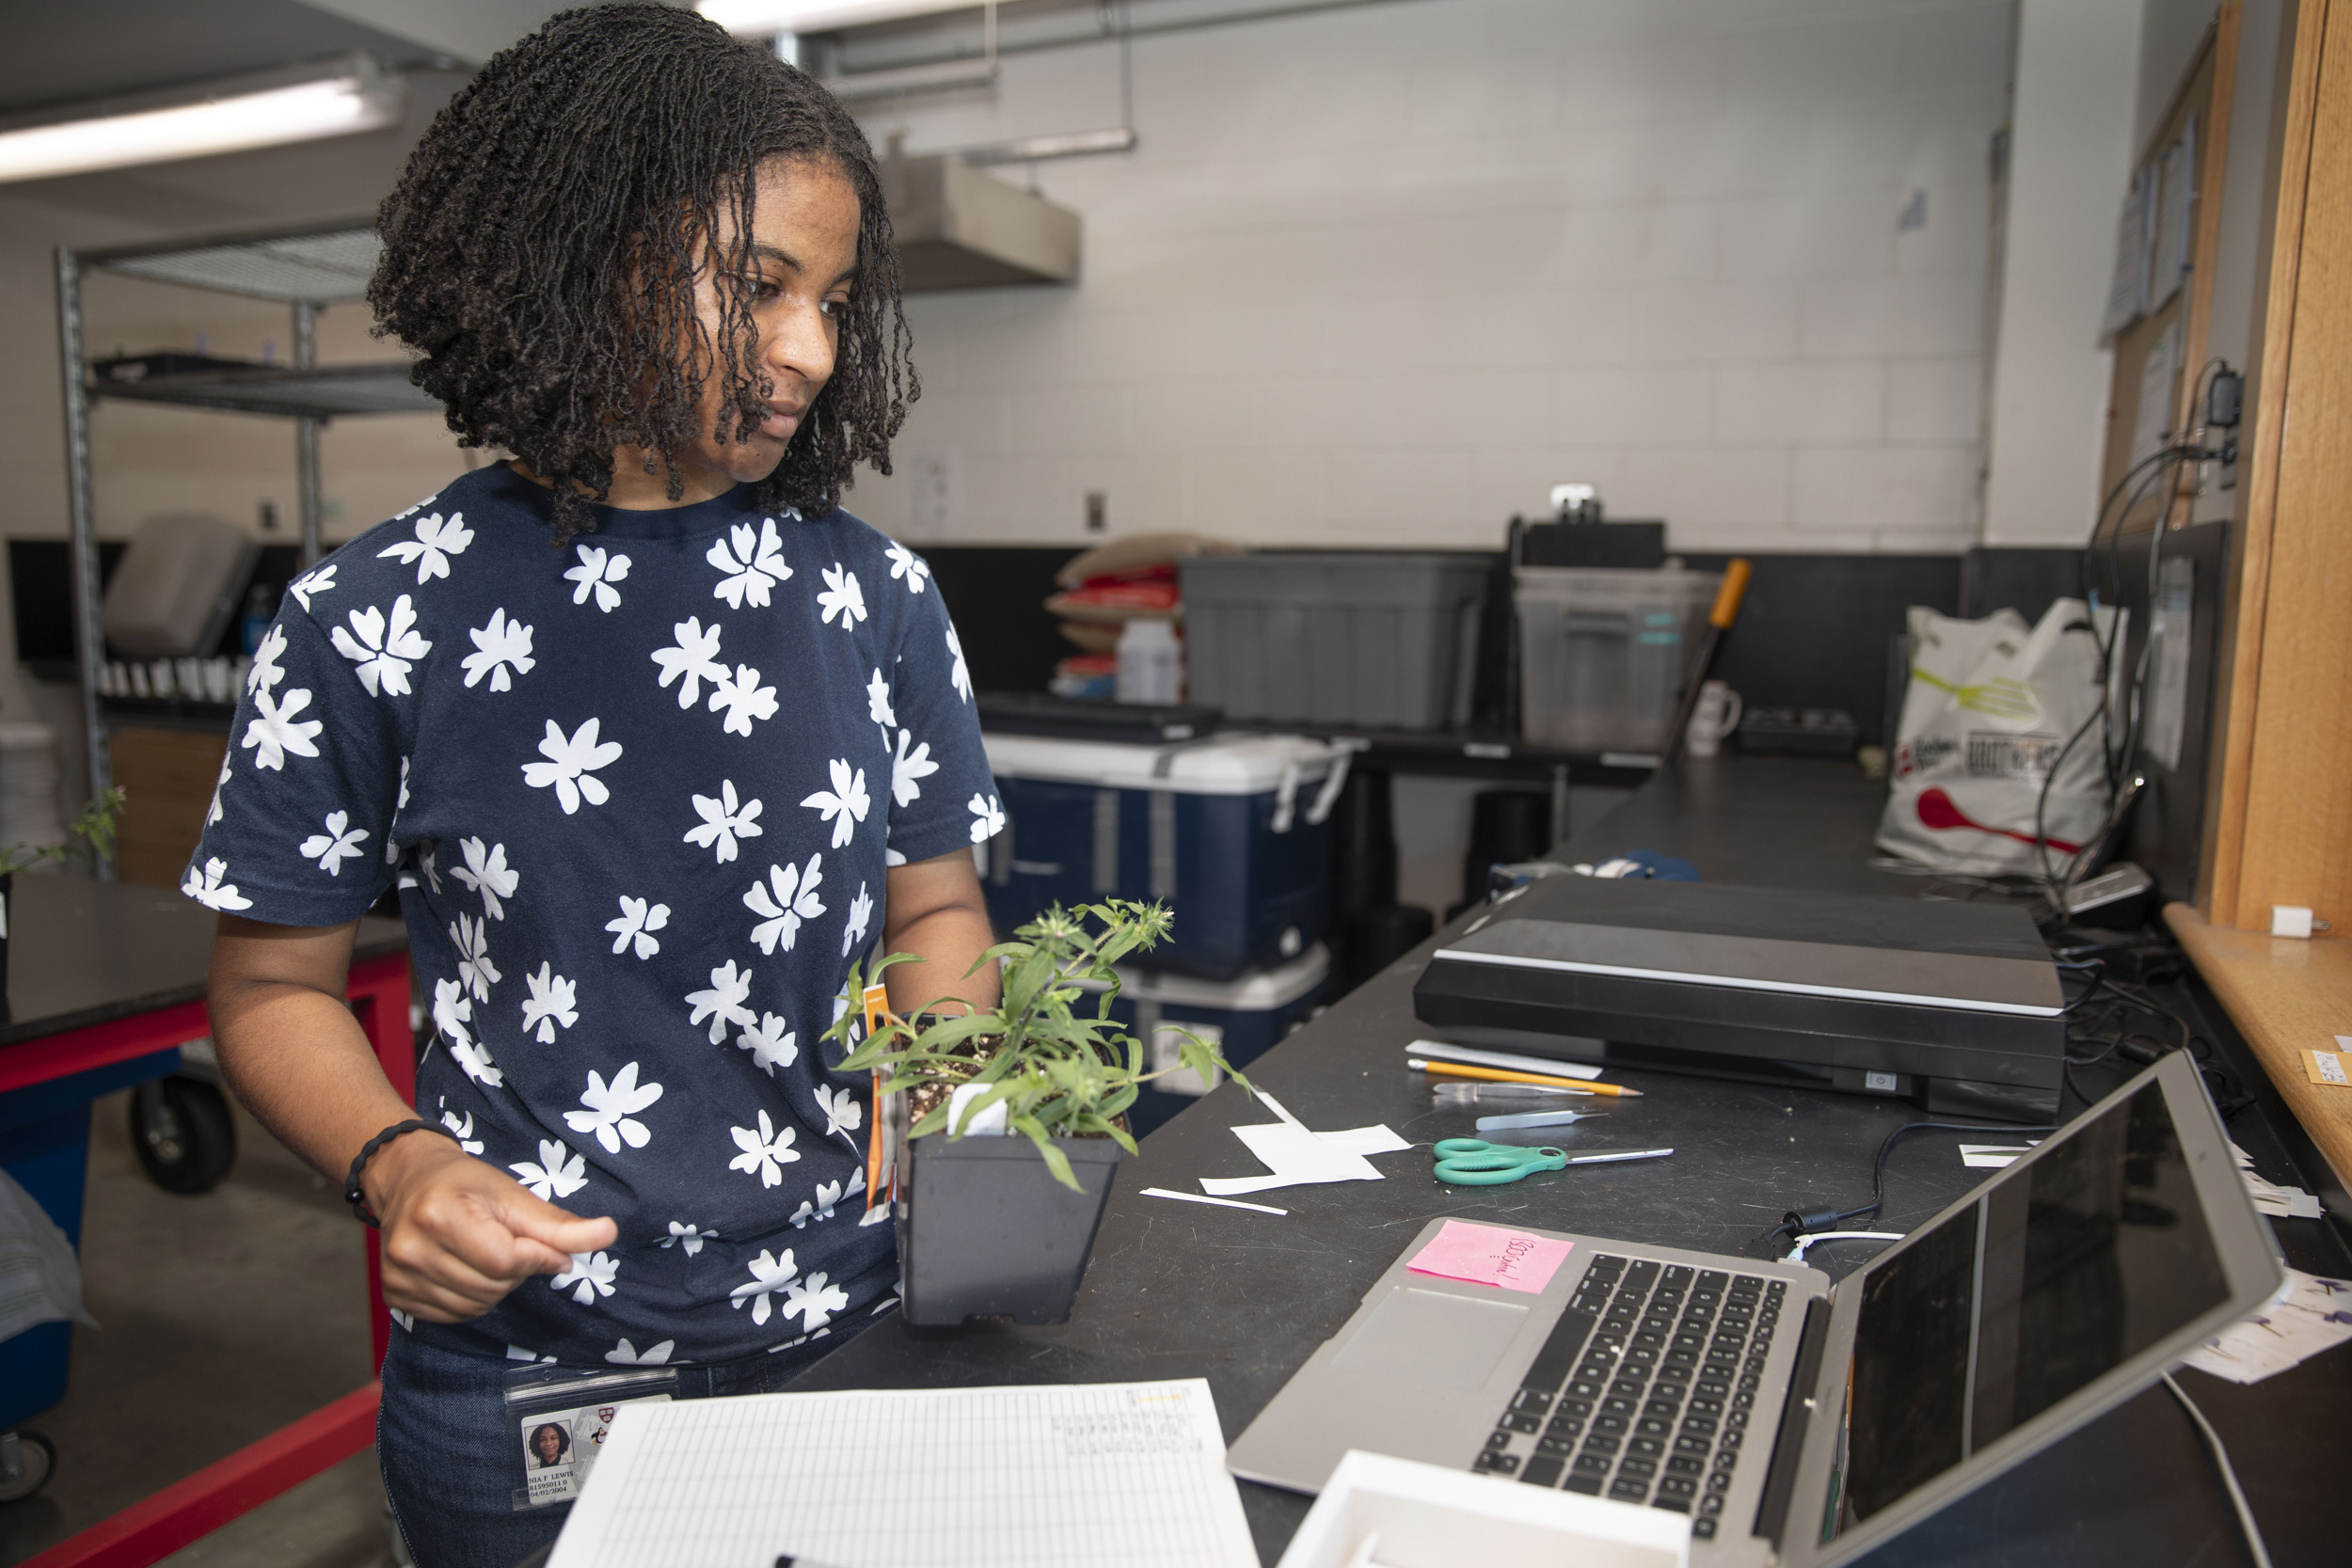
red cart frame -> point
(149, 1531)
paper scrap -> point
(1298, 1157)
(1220, 1202)
(1993, 1156)
(1279, 1108)
(1490, 1255)
(2271, 1198)
(2315, 1315)
(2327, 1067)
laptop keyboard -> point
(1643, 1391)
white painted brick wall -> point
(1384, 275)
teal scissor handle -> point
(1476, 1163)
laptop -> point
(1794, 1421)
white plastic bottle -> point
(1149, 666)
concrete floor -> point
(225, 1317)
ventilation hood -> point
(957, 228)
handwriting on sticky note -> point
(1490, 1255)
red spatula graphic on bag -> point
(1937, 811)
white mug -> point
(1715, 716)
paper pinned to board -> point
(1056, 1475)
(2315, 1314)
(2271, 1198)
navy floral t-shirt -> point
(639, 795)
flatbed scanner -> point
(1953, 1006)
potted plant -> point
(1001, 1226)
(91, 836)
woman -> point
(652, 738)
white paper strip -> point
(1508, 1060)
(1220, 1202)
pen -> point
(1500, 1075)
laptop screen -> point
(2061, 1271)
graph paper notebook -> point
(1105, 1475)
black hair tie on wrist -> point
(352, 1194)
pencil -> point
(1501, 1075)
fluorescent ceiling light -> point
(762, 18)
(304, 111)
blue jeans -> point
(452, 1461)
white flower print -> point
(383, 655)
(626, 1355)
(475, 971)
(691, 1237)
(846, 804)
(402, 517)
(403, 804)
(207, 888)
(748, 571)
(610, 1110)
(553, 1001)
(843, 1114)
(460, 1127)
(451, 1012)
(793, 900)
(764, 1151)
(988, 817)
(723, 822)
(960, 676)
(905, 563)
(558, 1173)
(596, 573)
(743, 699)
(877, 702)
(593, 1273)
(265, 673)
(814, 1300)
(340, 843)
(907, 768)
(861, 911)
(435, 543)
(571, 765)
(407, 1321)
(278, 731)
(817, 1208)
(841, 596)
(771, 1044)
(723, 1004)
(639, 920)
(220, 788)
(319, 581)
(695, 659)
(771, 1273)
(486, 872)
(499, 647)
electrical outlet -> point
(1098, 511)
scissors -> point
(1475, 1163)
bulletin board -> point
(2168, 255)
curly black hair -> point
(541, 249)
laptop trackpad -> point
(1432, 1338)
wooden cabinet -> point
(167, 777)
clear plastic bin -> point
(1604, 653)
(1384, 640)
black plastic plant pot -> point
(986, 1230)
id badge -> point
(560, 1419)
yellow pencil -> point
(1502, 1075)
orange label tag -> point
(877, 1000)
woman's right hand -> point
(459, 1234)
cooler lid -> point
(1226, 764)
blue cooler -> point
(1231, 832)
(1243, 1017)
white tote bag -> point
(1991, 705)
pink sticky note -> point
(1489, 1255)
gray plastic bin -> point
(1604, 653)
(1387, 641)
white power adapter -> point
(2293, 920)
